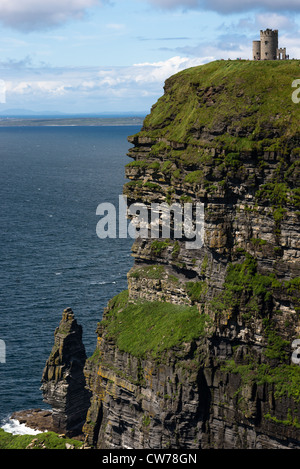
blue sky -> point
(111, 56)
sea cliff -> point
(197, 353)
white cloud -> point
(86, 85)
(292, 46)
(275, 21)
(145, 73)
(28, 15)
(230, 6)
(159, 71)
(263, 20)
(36, 88)
(175, 3)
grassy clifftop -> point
(237, 104)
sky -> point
(113, 56)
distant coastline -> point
(69, 121)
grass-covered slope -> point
(233, 104)
(152, 326)
(48, 440)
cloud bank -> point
(29, 15)
(32, 15)
(230, 6)
(90, 89)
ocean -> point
(51, 181)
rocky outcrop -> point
(63, 381)
(36, 419)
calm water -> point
(51, 182)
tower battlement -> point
(267, 47)
(269, 33)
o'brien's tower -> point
(268, 44)
(267, 47)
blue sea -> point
(51, 181)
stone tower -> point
(267, 47)
(268, 44)
(256, 50)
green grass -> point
(49, 439)
(244, 282)
(284, 377)
(254, 97)
(154, 272)
(150, 328)
(232, 159)
(290, 420)
(196, 290)
(194, 177)
(157, 247)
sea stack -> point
(63, 382)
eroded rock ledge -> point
(36, 419)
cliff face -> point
(198, 352)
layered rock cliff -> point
(198, 352)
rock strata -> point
(63, 381)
